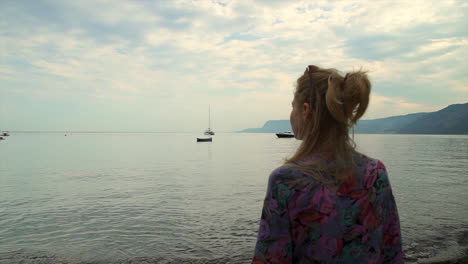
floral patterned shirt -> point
(304, 221)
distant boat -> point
(1, 138)
(5, 133)
(286, 134)
(204, 139)
(209, 131)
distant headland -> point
(451, 120)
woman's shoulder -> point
(363, 160)
(286, 171)
(292, 177)
(374, 172)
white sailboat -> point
(209, 131)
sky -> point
(157, 66)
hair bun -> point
(347, 97)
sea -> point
(164, 198)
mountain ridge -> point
(452, 119)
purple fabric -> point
(304, 221)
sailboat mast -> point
(209, 117)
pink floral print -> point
(304, 221)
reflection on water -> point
(163, 198)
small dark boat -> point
(1, 138)
(204, 139)
(5, 133)
(286, 134)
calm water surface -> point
(163, 198)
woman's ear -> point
(306, 110)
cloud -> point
(382, 106)
(165, 54)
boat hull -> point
(281, 135)
(204, 139)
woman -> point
(328, 203)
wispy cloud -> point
(382, 106)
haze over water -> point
(163, 198)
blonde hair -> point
(337, 102)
